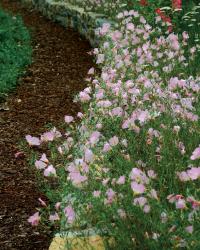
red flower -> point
(164, 18)
(143, 2)
(158, 11)
(170, 28)
(176, 4)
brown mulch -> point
(45, 95)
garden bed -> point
(133, 158)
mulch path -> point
(45, 95)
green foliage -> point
(15, 51)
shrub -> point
(15, 51)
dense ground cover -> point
(129, 169)
(15, 51)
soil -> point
(45, 95)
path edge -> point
(86, 23)
(71, 16)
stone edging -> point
(71, 16)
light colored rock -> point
(77, 243)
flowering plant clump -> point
(175, 16)
(130, 168)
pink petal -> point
(50, 171)
(70, 214)
(137, 188)
(69, 119)
(32, 141)
(34, 219)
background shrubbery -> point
(15, 51)
(186, 19)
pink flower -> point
(143, 116)
(85, 167)
(50, 170)
(91, 71)
(151, 174)
(50, 135)
(142, 20)
(189, 229)
(100, 95)
(34, 219)
(54, 217)
(114, 141)
(195, 154)
(70, 214)
(194, 173)
(89, 156)
(105, 28)
(171, 198)
(146, 209)
(96, 193)
(105, 181)
(192, 50)
(121, 180)
(130, 26)
(104, 104)
(40, 164)
(153, 194)
(57, 205)
(110, 196)
(19, 154)
(43, 203)
(180, 204)
(47, 136)
(100, 58)
(116, 35)
(141, 201)
(139, 176)
(122, 213)
(84, 97)
(117, 111)
(44, 158)
(185, 35)
(106, 147)
(176, 129)
(77, 178)
(94, 138)
(183, 176)
(32, 141)
(69, 119)
(99, 126)
(80, 115)
(137, 188)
